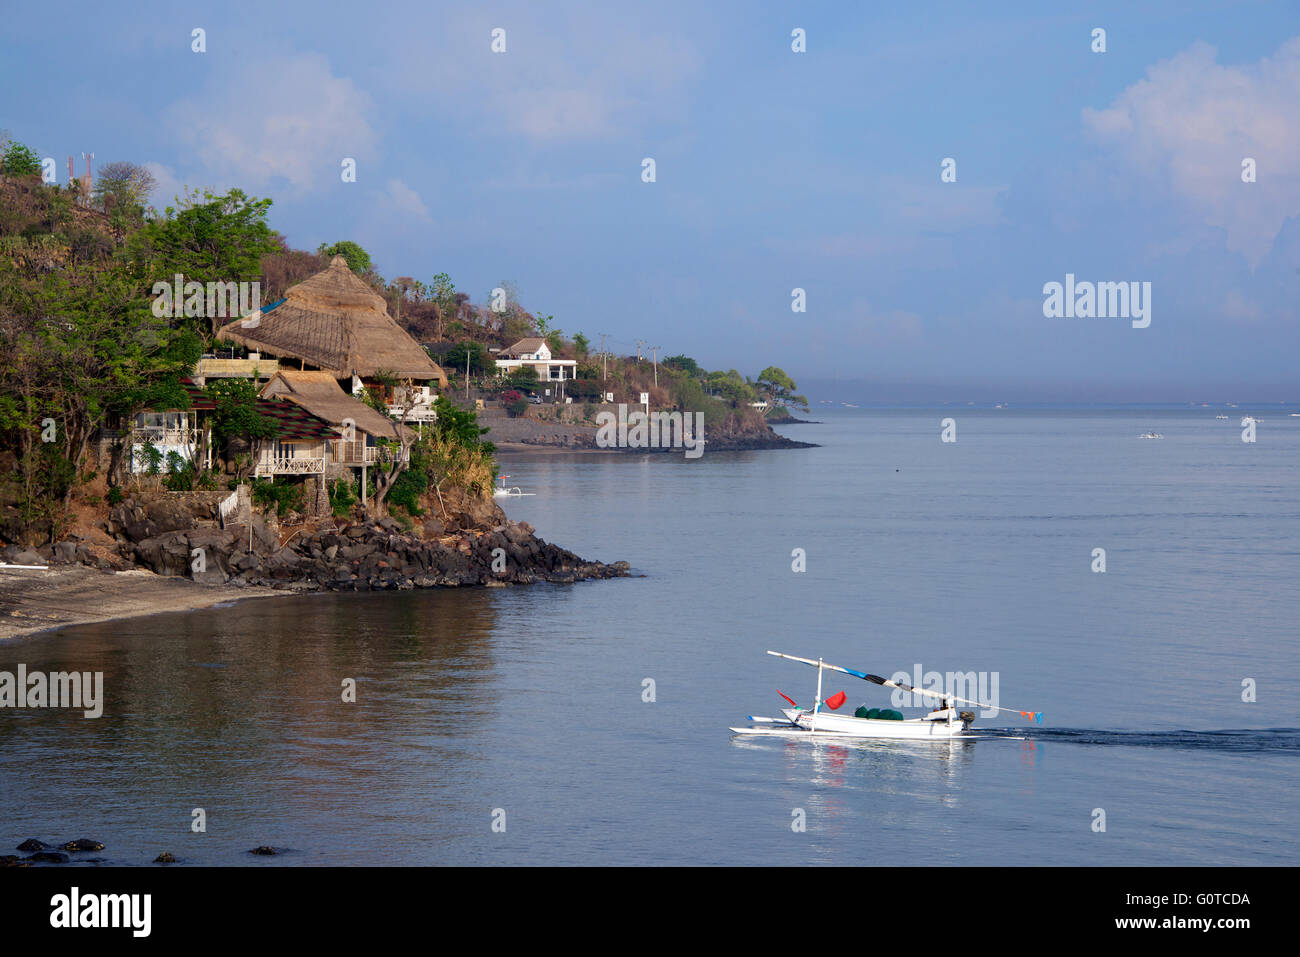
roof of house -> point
(337, 323)
(294, 422)
(319, 393)
(530, 346)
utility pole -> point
(656, 362)
(604, 379)
(639, 344)
(467, 373)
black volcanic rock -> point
(83, 844)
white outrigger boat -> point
(943, 723)
(501, 490)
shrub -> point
(525, 377)
(407, 489)
(284, 496)
(150, 458)
(343, 495)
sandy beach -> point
(33, 600)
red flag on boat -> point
(789, 699)
(835, 700)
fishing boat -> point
(945, 722)
(1150, 435)
(1220, 416)
(500, 490)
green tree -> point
(358, 259)
(80, 345)
(731, 385)
(581, 344)
(443, 294)
(210, 238)
(685, 363)
(18, 160)
(457, 424)
(779, 388)
(236, 416)
(479, 360)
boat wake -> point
(1240, 740)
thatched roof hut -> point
(319, 393)
(338, 324)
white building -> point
(536, 353)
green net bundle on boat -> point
(882, 714)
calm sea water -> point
(972, 556)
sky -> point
(775, 170)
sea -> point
(1140, 593)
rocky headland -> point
(181, 539)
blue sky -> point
(775, 170)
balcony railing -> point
(158, 435)
(417, 413)
(281, 465)
(355, 453)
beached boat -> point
(945, 722)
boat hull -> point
(910, 728)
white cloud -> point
(283, 120)
(561, 79)
(401, 200)
(167, 189)
(1188, 126)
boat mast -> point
(817, 702)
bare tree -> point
(122, 184)
(396, 457)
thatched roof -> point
(335, 322)
(319, 393)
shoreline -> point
(34, 602)
(527, 434)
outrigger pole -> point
(876, 679)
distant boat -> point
(500, 491)
(1150, 435)
(1220, 416)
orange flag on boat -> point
(835, 700)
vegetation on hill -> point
(84, 346)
